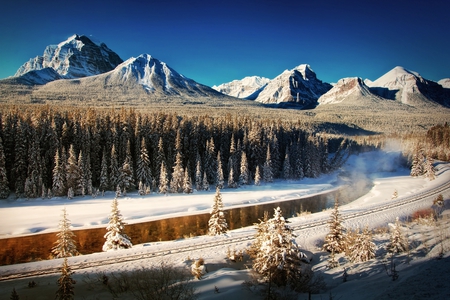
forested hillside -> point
(47, 151)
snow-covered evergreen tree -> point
(257, 176)
(187, 183)
(335, 239)
(398, 242)
(115, 236)
(73, 171)
(114, 172)
(198, 175)
(143, 170)
(65, 244)
(104, 178)
(231, 183)
(267, 168)
(205, 183)
(245, 174)
(417, 166)
(279, 257)
(287, 170)
(363, 248)
(126, 172)
(429, 168)
(217, 224)
(176, 184)
(65, 282)
(4, 189)
(220, 178)
(163, 180)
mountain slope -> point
(349, 91)
(445, 83)
(299, 85)
(143, 79)
(246, 88)
(76, 57)
(409, 88)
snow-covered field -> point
(421, 276)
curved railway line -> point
(10, 275)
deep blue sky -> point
(216, 42)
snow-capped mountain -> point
(445, 83)
(246, 88)
(408, 87)
(351, 90)
(135, 78)
(299, 85)
(76, 57)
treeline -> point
(48, 151)
(438, 142)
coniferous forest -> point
(46, 151)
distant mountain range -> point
(78, 67)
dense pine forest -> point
(46, 151)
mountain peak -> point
(247, 88)
(76, 57)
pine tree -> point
(220, 178)
(267, 168)
(363, 248)
(205, 183)
(187, 184)
(126, 172)
(4, 184)
(198, 177)
(143, 170)
(217, 223)
(163, 180)
(287, 170)
(279, 258)
(104, 178)
(335, 239)
(65, 283)
(257, 176)
(231, 183)
(72, 171)
(115, 236)
(114, 172)
(398, 243)
(59, 179)
(176, 184)
(14, 295)
(65, 244)
(244, 175)
(429, 168)
(160, 158)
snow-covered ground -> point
(421, 276)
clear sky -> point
(214, 42)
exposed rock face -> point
(76, 57)
(246, 88)
(409, 88)
(299, 85)
(346, 89)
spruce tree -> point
(217, 224)
(187, 183)
(231, 183)
(163, 180)
(429, 168)
(65, 283)
(115, 236)
(267, 168)
(198, 176)
(363, 248)
(335, 239)
(143, 170)
(257, 176)
(176, 184)
(287, 170)
(72, 171)
(114, 172)
(104, 178)
(398, 243)
(4, 184)
(279, 258)
(205, 183)
(65, 244)
(14, 295)
(245, 174)
(220, 178)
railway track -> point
(223, 242)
